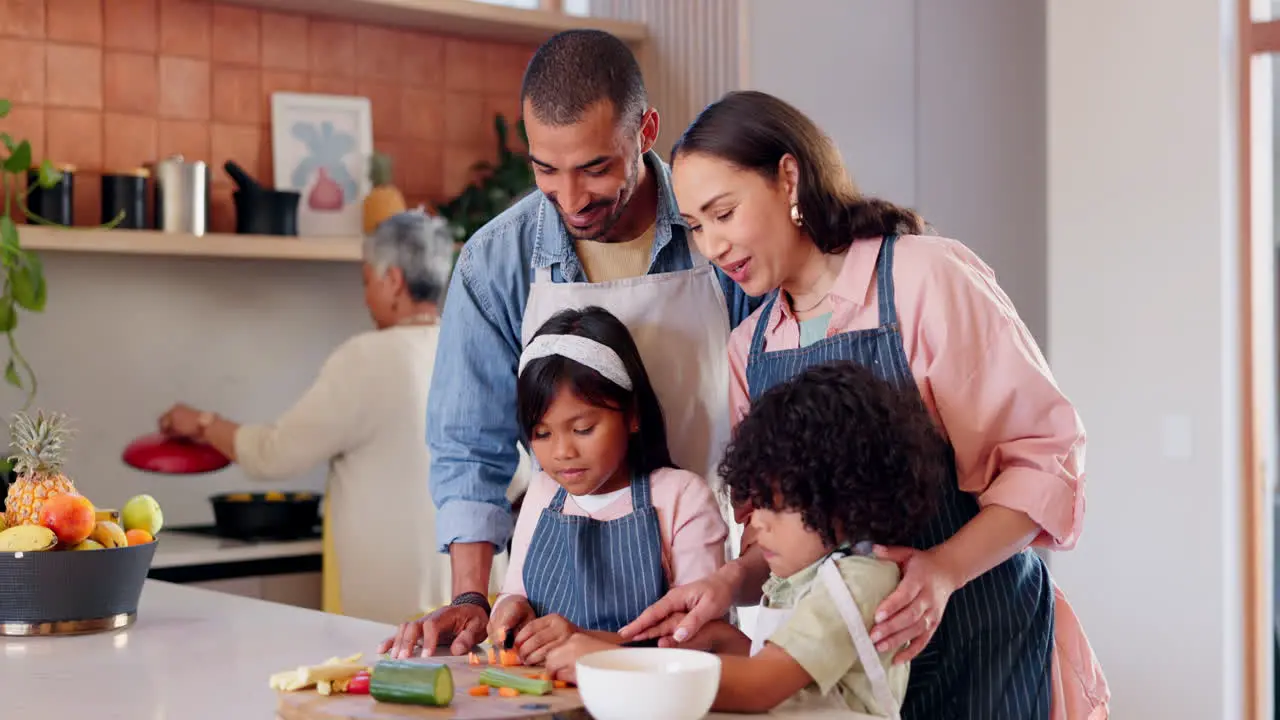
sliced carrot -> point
(473, 659)
(560, 684)
(545, 675)
(479, 691)
(536, 676)
(509, 658)
(508, 692)
(492, 656)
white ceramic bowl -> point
(648, 683)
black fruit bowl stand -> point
(72, 592)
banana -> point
(27, 538)
(108, 534)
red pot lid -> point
(171, 456)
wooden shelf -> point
(214, 245)
(457, 17)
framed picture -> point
(320, 146)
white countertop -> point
(178, 549)
(192, 655)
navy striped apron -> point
(991, 656)
(597, 574)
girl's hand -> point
(509, 615)
(562, 659)
(538, 637)
(909, 616)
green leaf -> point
(8, 142)
(5, 107)
(28, 284)
(8, 315)
(19, 158)
(8, 232)
(11, 374)
(49, 175)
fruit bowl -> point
(67, 593)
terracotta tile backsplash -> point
(107, 85)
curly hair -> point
(856, 457)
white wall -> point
(1143, 334)
(125, 337)
(935, 105)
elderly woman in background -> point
(365, 415)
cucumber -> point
(411, 683)
(494, 677)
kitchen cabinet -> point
(302, 590)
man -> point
(603, 229)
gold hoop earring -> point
(796, 217)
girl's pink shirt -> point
(1018, 440)
(689, 520)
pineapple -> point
(38, 443)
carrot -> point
(509, 658)
(473, 659)
(492, 656)
(508, 692)
(479, 691)
(545, 675)
(536, 676)
(560, 684)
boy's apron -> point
(991, 656)
(597, 574)
(770, 620)
(680, 323)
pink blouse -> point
(1018, 440)
(689, 520)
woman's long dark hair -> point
(537, 386)
(755, 130)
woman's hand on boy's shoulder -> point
(539, 636)
(510, 614)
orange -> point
(138, 536)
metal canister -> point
(182, 195)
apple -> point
(142, 512)
(70, 516)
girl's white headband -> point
(584, 351)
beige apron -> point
(769, 620)
(680, 324)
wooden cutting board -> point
(562, 704)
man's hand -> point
(702, 601)
(464, 624)
(538, 637)
(510, 615)
(562, 660)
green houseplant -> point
(23, 276)
(500, 184)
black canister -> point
(55, 204)
(126, 193)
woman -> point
(365, 415)
(849, 277)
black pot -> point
(266, 516)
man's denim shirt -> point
(472, 430)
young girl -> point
(608, 525)
(834, 462)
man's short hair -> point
(576, 69)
